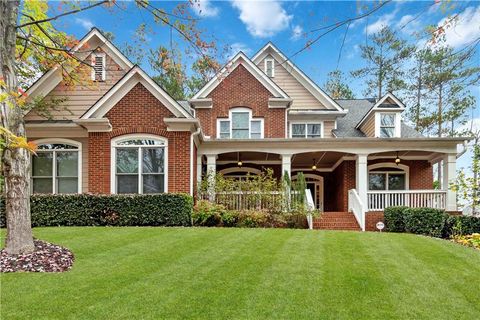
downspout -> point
(192, 143)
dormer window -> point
(270, 67)
(98, 67)
(240, 125)
(387, 125)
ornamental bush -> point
(426, 221)
(394, 219)
(168, 209)
(461, 225)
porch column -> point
(449, 175)
(286, 164)
(361, 179)
(199, 169)
(211, 172)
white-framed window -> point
(240, 125)
(306, 130)
(387, 125)
(139, 164)
(388, 176)
(57, 166)
(98, 66)
(270, 67)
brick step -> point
(336, 221)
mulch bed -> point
(47, 257)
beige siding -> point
(302, 98)
(328, 126)
(80, 97)
(368, 127)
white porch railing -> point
(356, 206)
(379, 200)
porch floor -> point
(336, 221)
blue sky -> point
(248, 25)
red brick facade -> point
(139, 112)
(241, 89)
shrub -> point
(167, 209)
(394, 219)
(253, 218)
(461, 225)
(472, 240)
(426, 221)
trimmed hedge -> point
(426, 221)
(166, 209)
(394, 219)
(461, 225)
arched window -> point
(56, 168)
(139, 164)
(388, 176)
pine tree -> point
(385, 58)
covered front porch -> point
(360, 179)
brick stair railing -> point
(336, 221)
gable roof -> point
(48, 81)
(124, 85)
(241, 58)
(379, 105)
(298, 74)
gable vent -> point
(98, 72)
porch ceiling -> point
(322, 159)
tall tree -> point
(336, 86)
(385, 57)
(30, 40)
(15, 160)
(447, 77)
(468, 186)
(171, 74)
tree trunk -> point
(15, 162)
(419, 94)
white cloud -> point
(382, 21)
(263, 18)
(354, 52)
(237, 47)
(85, 23)
(408, 24)
(466, 28)
(297, 32)
(204, 8)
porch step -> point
(336, 221)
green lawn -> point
(152, 273)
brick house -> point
(119, 132)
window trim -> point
(113, 159)
(267, 60)
(74, 143)
(405, 170)
(250, 119)
(94, 55)
(397, 124)
(306, 123)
